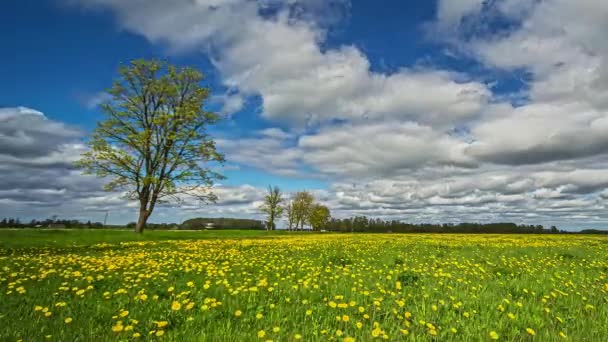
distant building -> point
(209, 225)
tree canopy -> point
(272, 206)
(319, 217)
(153, 142)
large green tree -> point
(153, 142)
(319, 217)
(272, 206)
(302, 206)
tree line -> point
(48, 223)
(222, 223)
(371, 225)
(320, 222)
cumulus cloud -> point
(25, 132)
(280, 58)
(38, 178)
(36, 165)
(268, 151)
(483, 196)
(540, 132)
(561, 45)
(381, 149)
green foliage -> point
(272, 206)
(319, 217)
(153, 141)
(302, 205)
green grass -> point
(23, 238)
(240, 285)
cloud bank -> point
(418, 143)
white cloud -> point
(230, 103)
(268, 152)
(38, 178)
(381, 149)
(95, 100)
(562, 45)
(451, 13)
(280, 58)
(540, 132)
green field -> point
(254, 286)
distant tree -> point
(272, 206)
(302, 207)
(153, 142)
(319, 217)
(291, 215)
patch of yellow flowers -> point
(315, 287)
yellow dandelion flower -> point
(494, 335)
(175, 306)
(67, 320)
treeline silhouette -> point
(222, 223)
(371, 225)
(48, 223)
(201, 223)
(359, 224)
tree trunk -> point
(141, 221)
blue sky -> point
(462, 110)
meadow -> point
(259, 286)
